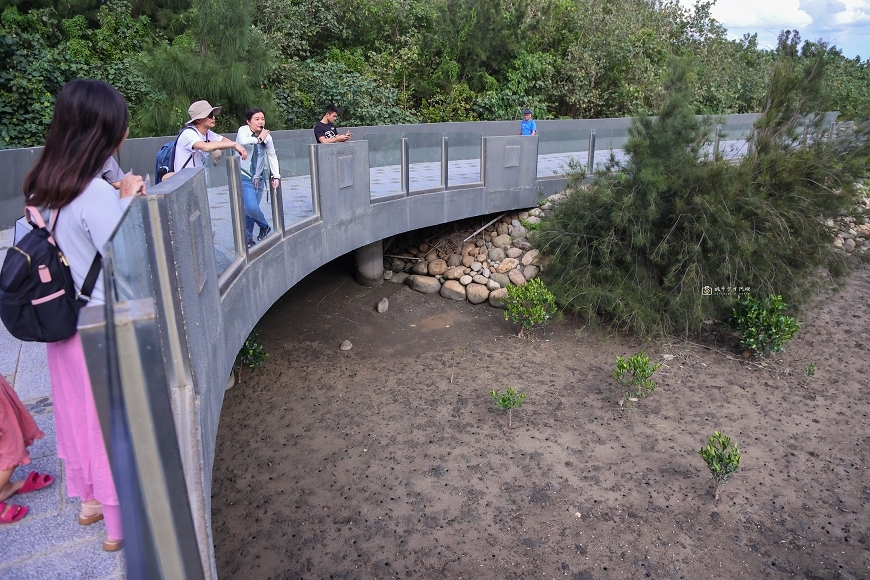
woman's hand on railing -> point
(132, 185)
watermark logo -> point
(725, 290)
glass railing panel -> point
(558, 149)
(732, 139)
(385, 163)
(294, 159)
(607, 141)
(216, 183)
(424, 158)
(128, 254)
(463, 157)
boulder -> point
(514, 253)
(531, 257)
(502, 280)
(502, 241)
(476, 293)
(530, 272)
(492, 285)
(453, 290)
(468, 260)
(437, 267)
(399, 278)
(465, 280)
(516, 277)
(420, 267)
(496, 255)
(454, 260)
(507, 265)
(518, 232)
(454, 273)
(478, 279)
(424, 247)
(477, 266)
(496, 298)
(424, 284)
(432, 255)
(397, 265)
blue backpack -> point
(165, 158)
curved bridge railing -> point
(184, 291)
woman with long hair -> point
(89, 124)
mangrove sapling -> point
(251, 355)
(722, 458)
(509, 400)
(633, 374)
(530, 304)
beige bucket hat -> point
(201, 110)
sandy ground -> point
(391, 461)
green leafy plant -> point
(509, 400)
(811, 369)
(530, 304)
(633, 374)
(763, 325)
(530, 226)
(251, 355)
(722, 458)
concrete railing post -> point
(590, 160)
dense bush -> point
(636, 247)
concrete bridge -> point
(185, 292)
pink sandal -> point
(15, 513)
(35, 481)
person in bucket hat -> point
(192, 145)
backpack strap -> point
(91, 279)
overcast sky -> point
(844, 23)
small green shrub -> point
(811, 369)
(530, 226)
(508, 401)
(251, 355)
(763, 325)
(722, 458)
(530, 304)
(633, 374)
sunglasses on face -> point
(211, 115)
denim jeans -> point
(253, 213)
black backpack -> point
(38, 299)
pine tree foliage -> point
(636, 246)
(222, 59)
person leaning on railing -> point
(255, 137)
(89, 124)
(193, 145)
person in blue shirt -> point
(527, 125)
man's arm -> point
(336, 139)
(223, 143)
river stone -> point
(424, 284)
(383, 305)
(345, 345)
(420, 267)
(453, 290)
(399, 278)
(454, 273)
(388, 274)
(433, 255)
(454, 260)
(523, 245)
(530, 257)
(477, 293)
(502, 228)
(849, 245)
(437, 267)
(468, 260)
(523, 215)
(492, 285)
(468, 247)
(502, 280)
(408, 266)
(397, 265)
(533, 220)
(465, 280)
(476, 267)
(496, 255)
(530, 272)
(486, 272)
(516, 278)
(503, 241)
(514, 253)
(496, 297)
(424, 247)
(478, 279)
(518, 232)
(481, 258)
(515, 222)
(508, 264)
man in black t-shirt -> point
(324, 131)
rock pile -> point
(853, 236)
(467, 266)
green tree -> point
(221, 58)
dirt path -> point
(373, 464)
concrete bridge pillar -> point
(370, 264)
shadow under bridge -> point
(178, 310)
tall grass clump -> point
(636, 247)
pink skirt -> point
(79, 437)
(18, 430)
